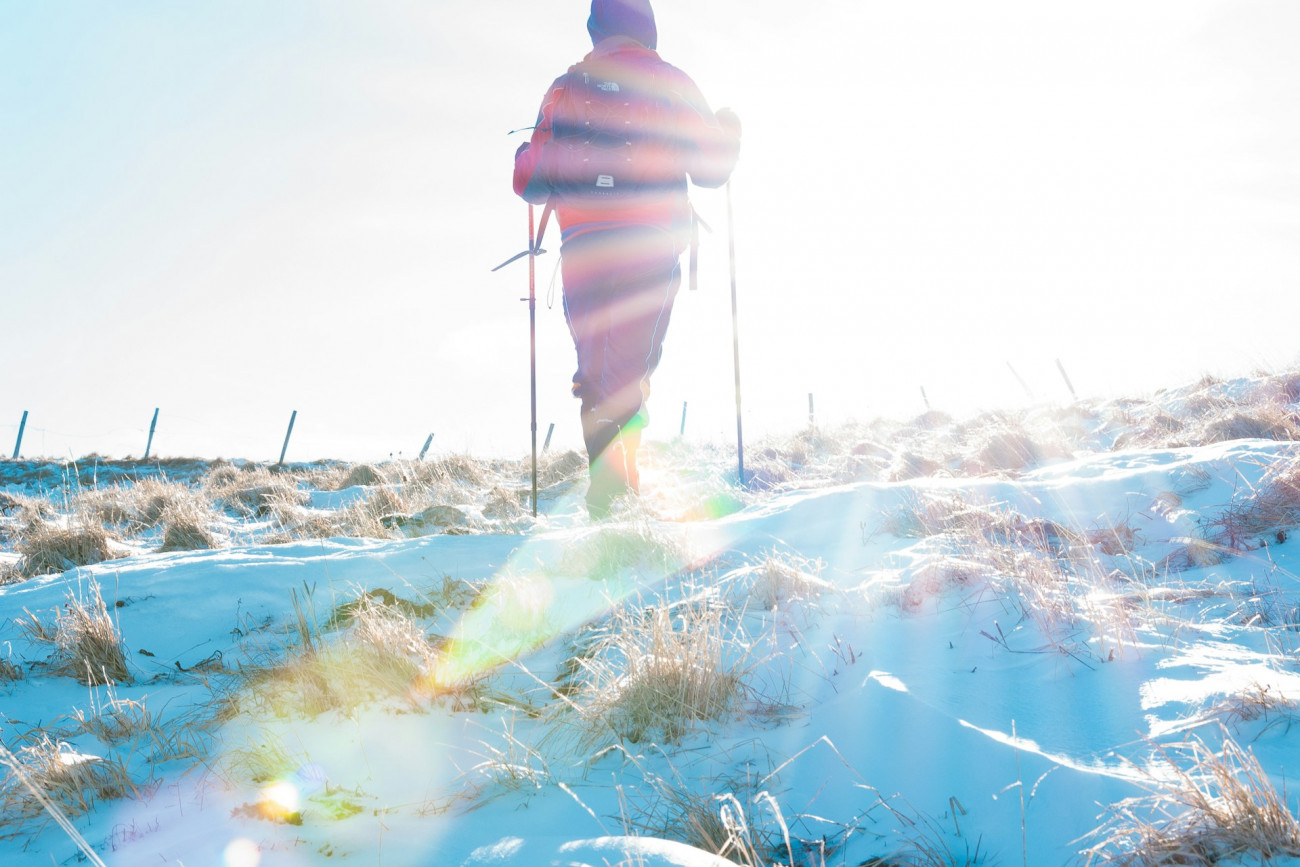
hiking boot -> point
(608, 481)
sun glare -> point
(283, 794)
(242, 852)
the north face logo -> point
(610, 140)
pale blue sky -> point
(234, 210)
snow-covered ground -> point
(939, 644)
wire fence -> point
(162, 432)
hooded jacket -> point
(623, 34)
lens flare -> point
(283, 794)
(242, 853)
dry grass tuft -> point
(1114, 539)
(460, 470)
(1258, 421)
(137, 506)
(1044, 572)
(382, 653)
(73, 782)
(908, 465)
(1263, 516)
(385, 503)
(1205, 808)
(108, 505)
(934, 580)
(188, 526)
(9, 671)
(337, 677)
(1255, 702)
(54, 549)
(925, 514)
(505, 504)
(719, 824)
(1211, 412)
(564, 468)
(372, 518)
(151, 499)
(368, 475)
(510, 768)
(1040, 588)
(255, 492)
(86, 641)
(659, 672)
(1006, 451)
(120, 721)
(384, 628)
(973, 522)
(783, 578)
(1194, 552)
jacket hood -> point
(632, 18)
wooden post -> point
(22, 426)
(550, 430)
(683, 430)
(1066, 377)
(284, 450)
(926, 399)
(1021, 381)
(153, 426)
(812, 418)
(424, 451)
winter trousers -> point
(619, 287)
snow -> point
(894, 705)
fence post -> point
(925, 398)
(22, 426)
(812, 418)
(288, 434)
(550, 430)
(1066, 377)
(1028, 393)
(153, 425)
(683, 431)
(424, 451)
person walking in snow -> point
(616, 140)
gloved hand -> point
(729, 121)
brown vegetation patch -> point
(55, 772)
(188, 528)
(1207, 808)
(54, 549)
(255, 491)
(661, 671)
(86, 642)
(362, 474)
(1273, 506)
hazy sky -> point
(234, 210)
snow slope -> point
(902, 696)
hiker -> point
(616, 139)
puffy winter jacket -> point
(692, 144)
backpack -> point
(611, 136)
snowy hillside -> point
(1055, 637)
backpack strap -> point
(541, 226)
(696, 222)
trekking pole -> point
(735, 337)
(532, 340)
(533, 251)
